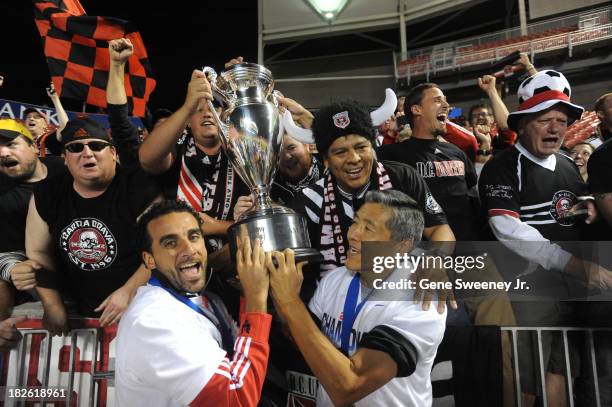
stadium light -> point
(327, 9)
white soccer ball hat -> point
(542, 91)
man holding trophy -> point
(250, 129)
(251, 133)
(185, 153)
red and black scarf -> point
(207, 184)
(333, 241)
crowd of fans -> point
(103, 224)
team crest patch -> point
(562, 202)
(341, 120)
(431, 205)
(89, 244)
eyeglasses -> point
(93, 146)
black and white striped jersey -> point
(402, 177)
(538, 192)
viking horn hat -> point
(378, 117)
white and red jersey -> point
(170, 355)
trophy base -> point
(276, 232)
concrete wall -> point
(544, 8)
(314, 93)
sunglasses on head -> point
(93, 146)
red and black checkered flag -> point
(76, 47)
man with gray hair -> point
(364, 346)
(534, 199)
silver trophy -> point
(251, 133)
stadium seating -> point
(581, 129)
(472, 53)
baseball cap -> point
(34, 110)
(10, 128)
(84, 128)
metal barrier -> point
(82, 363)
(513, 333)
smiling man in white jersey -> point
(364, 347)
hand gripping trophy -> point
(252, 132)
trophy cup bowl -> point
(251, 133)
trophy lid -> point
(240, 78)
(256, 69)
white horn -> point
(298, 133)
(386, 109)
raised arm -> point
(488, 85)
(156, 152)
(125, 134)
(345, 379)
(192, 368)
(251, 347)
(52, 140)
(298, 112)
(524, 60)
(119, 52)
(62, 117)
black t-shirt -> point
(449, 174)
(14, 200)
(95, 238)
(600, 169)
(512, 184)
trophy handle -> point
(211, 74)
(275, 96)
